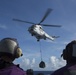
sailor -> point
(9, 51)
(29, 72)
(69, 54)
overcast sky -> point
(64, 13)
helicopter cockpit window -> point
(41, 28)
(33, 26)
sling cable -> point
(42, 63)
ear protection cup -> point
(70, 51)
(18, 52)
(64, 54)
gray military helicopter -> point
(37, 30)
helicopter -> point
(37, 30)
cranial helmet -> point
(69, 53)
(10, 46)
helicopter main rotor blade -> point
(51, 25)
(46, 14)
(23, 21)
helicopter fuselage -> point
(38, 32)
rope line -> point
(40, 50)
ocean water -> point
(43, 72)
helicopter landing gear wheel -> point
(31, 34)
(38, 40)
(44, 38)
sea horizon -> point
(43, 72)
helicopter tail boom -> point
(49, 37)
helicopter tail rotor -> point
(55, 36)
